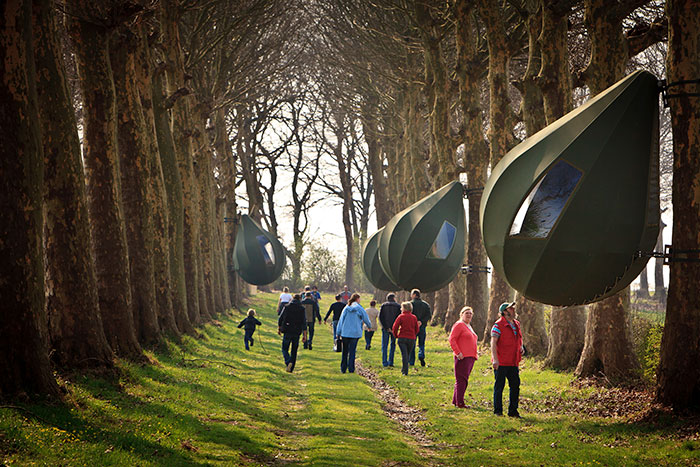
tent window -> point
(542, 207)
(268, 252)
(443, 242)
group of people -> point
(403, 325)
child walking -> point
(248, 324)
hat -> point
(504, 306)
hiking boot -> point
(311, 347)
(514, 415)
(289, 367)
(422, 361)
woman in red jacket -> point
(463, 342)
(405, 329)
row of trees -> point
(445, 89)
(118, 173)
(181, 103)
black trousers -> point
(406, 346)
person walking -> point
(388, 312)
(312, 313)
(422, 311)
(463, 341)
(405, 329)
(248, 324)
(345, 295)
(285, 297)
(350, 330)
(316, 293)
(291, 325)
(506, 352)
(372, 314)
(336, 309)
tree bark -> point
(102, 171)
(173, 188)
(161, 249)
(135, 186)
(24, 360)
(659, 287)
(476, 158)
(182, 137)
(500, 127)
(75, 325)
(567, 328)
(679, 368)
(643, 291)
(607, 347)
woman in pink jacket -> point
(463, 342)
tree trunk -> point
(531, 317)
(608, 342)
(173, 188)
(182, 132)
(75, 325)
(135, 185)
(607, 66)
(203, 170)
(643, 291)
(659, 287)
(376, 163)
(161, 249)
(499, 128)
(476, 157)
(679, 368)
(24, 360)
(567, 327)
(102, 171)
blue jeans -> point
(248, 337)
(420, 338)
(513, 375)
(368, 338)
(310, 337)
(287, 339)
(386, 337)
(335, 327)
(347, 360)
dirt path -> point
(405, 415)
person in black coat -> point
(388, 312)
(291, 325)
(312, 313)
(248, 325)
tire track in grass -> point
(406, 416)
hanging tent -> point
(565, 212)
(370, 264)
(258, 256)
(423, 245)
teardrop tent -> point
(565, 212)
(423, 245)
(370, 264)
(257, 255)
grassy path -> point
(210, 402)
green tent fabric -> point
(423, 245)
(370, 264)
(257, 255)
(564, 213)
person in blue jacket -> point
(349, 331)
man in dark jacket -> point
(388, 312)
(291, 324)
(422, 311)
(337, 309)
(312, 313)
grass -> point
(208, 401)
(182, 411)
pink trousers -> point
(463, 369)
